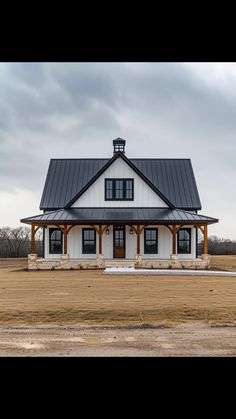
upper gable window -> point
(119, 189)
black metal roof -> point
(117, 215)
(173, 178)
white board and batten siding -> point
(164, 244)
(144, 196)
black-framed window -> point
(150, 240)
(184, 240)
(55, 241)
(119, 147)
(89, 241)
(119, 189)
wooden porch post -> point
(100, 231)
(174, 240)
(33, 239)
(138, 239)
(65, 239)
(205, 251)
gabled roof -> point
(105, 167)
(172, 179)
(128, 215)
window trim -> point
(145, 246)
(95, 242)
(51, 230)
(190, 241)
(114, 189)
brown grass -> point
(91, 298)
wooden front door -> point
(119, 242)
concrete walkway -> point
(169, 272)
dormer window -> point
(119, 189)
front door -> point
(119, 242)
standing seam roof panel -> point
(59, 175)
(185, 185)
(192, 179)
(51, 187)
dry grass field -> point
(89, 298)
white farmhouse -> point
(120, 212)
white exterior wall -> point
(74, 244)
(144, 196)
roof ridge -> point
(129, 158)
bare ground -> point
(85, 313)
(190, 339)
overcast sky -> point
(176, 110)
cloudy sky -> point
(176, 110)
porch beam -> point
(73, 225)
(165, 225)
(143, 227)
(201, 228)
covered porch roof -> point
(119, 215)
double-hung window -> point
(184, 240)
(89, 241)
(119, 189)
(150, 240)
(55, 241)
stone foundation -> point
(64, 262)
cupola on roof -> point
(119, 145)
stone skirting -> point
(64, 262)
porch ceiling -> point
(119, 215)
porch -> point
(120, 238)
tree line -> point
(16, 242)
(218, 246)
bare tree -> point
(218, 246)
(16, 242)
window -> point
(89, 241)
(119, 189)
(150, 240)
(55, 241)
(109, 189)
(184, 240)
(119, 147)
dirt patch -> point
(91, 298)
(190, 339)
(226, 263)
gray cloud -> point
(76, 109)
